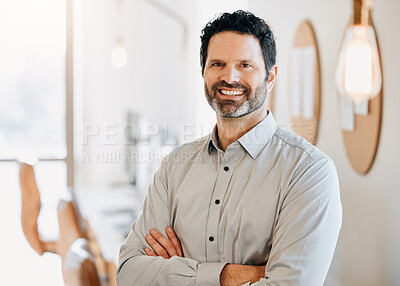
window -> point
(33, 80)
(35, 115)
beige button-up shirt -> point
(270, 199)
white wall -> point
(149, 84)
(368, 252)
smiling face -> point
(234, 75)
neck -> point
(231, 129)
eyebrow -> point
(221, 61)
(215, 60)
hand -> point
(162, 246)
(236, 274)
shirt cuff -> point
(208, 274)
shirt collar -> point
(253, 141)
(213, 143)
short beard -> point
(233, 109)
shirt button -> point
(226, 168)
(211, 238)
(217, 202)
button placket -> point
(221, 186)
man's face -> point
(234, 75)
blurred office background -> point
(83, 83)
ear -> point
(272, 78)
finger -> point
(175, 240)
(158, 249)
(149, 252)
(165, 242)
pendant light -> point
(358, 73)
(118, 53)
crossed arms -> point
(231, 274)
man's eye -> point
(246, 65)
(217, 65)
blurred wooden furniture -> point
(73, 247)
(108, 213)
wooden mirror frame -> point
(308, 128)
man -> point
(250, 203)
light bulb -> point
(118, 55)
(358, 74)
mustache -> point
(222, 84)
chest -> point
(237, 205)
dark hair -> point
(241, 22)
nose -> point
(230, 75)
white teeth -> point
(231, 92)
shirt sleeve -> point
(307, 228)
(136, 268)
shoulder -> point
(310, 172)
(299, 157)
(298, 145)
